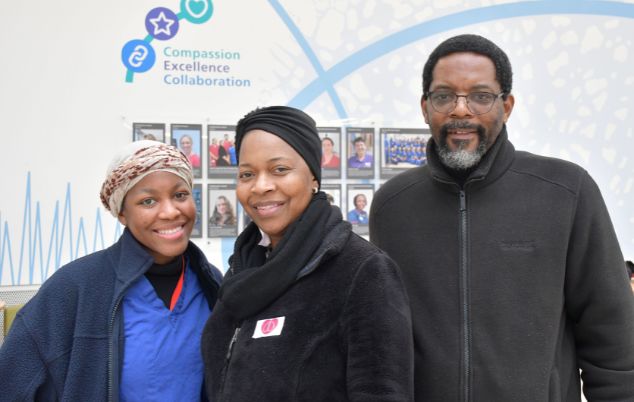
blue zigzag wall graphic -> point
(64, 238)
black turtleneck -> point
(164, 278)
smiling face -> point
(326, 146)
(360, 202)
(359, 149)
(274, 182)
(160, 213)
(221, 205)
(186, 144)
(460, 134)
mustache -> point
(460, 125)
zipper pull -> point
(463, 201)
(234, 338)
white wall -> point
(65, 106)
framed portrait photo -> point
(333, 193)
(188, 138)
(222, 152)
(148, 131)
(360, 144)
(222, 210)
(197, 195)
(358, 201)
(330, 152)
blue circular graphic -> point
(138, 56)
(197, 11)
(161, 23)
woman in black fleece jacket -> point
(308, 311)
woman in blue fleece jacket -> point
(122, 324)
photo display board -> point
(394, 150)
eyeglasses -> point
(477, 102)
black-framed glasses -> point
(477, 102)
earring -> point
(315, 190)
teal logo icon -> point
(197, 11)
(161, 23)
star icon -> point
(162, 25)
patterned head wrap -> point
(133, 163)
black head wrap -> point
(292, 125)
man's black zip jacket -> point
(515, 280)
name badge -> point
(268, 327)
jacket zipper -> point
(464, 274)
(225, 369)
(111, 349)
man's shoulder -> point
(402, 185)
(553, 170)
(407, 178)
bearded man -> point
(513, 269)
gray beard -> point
(461, 159)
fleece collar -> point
(130, 260)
